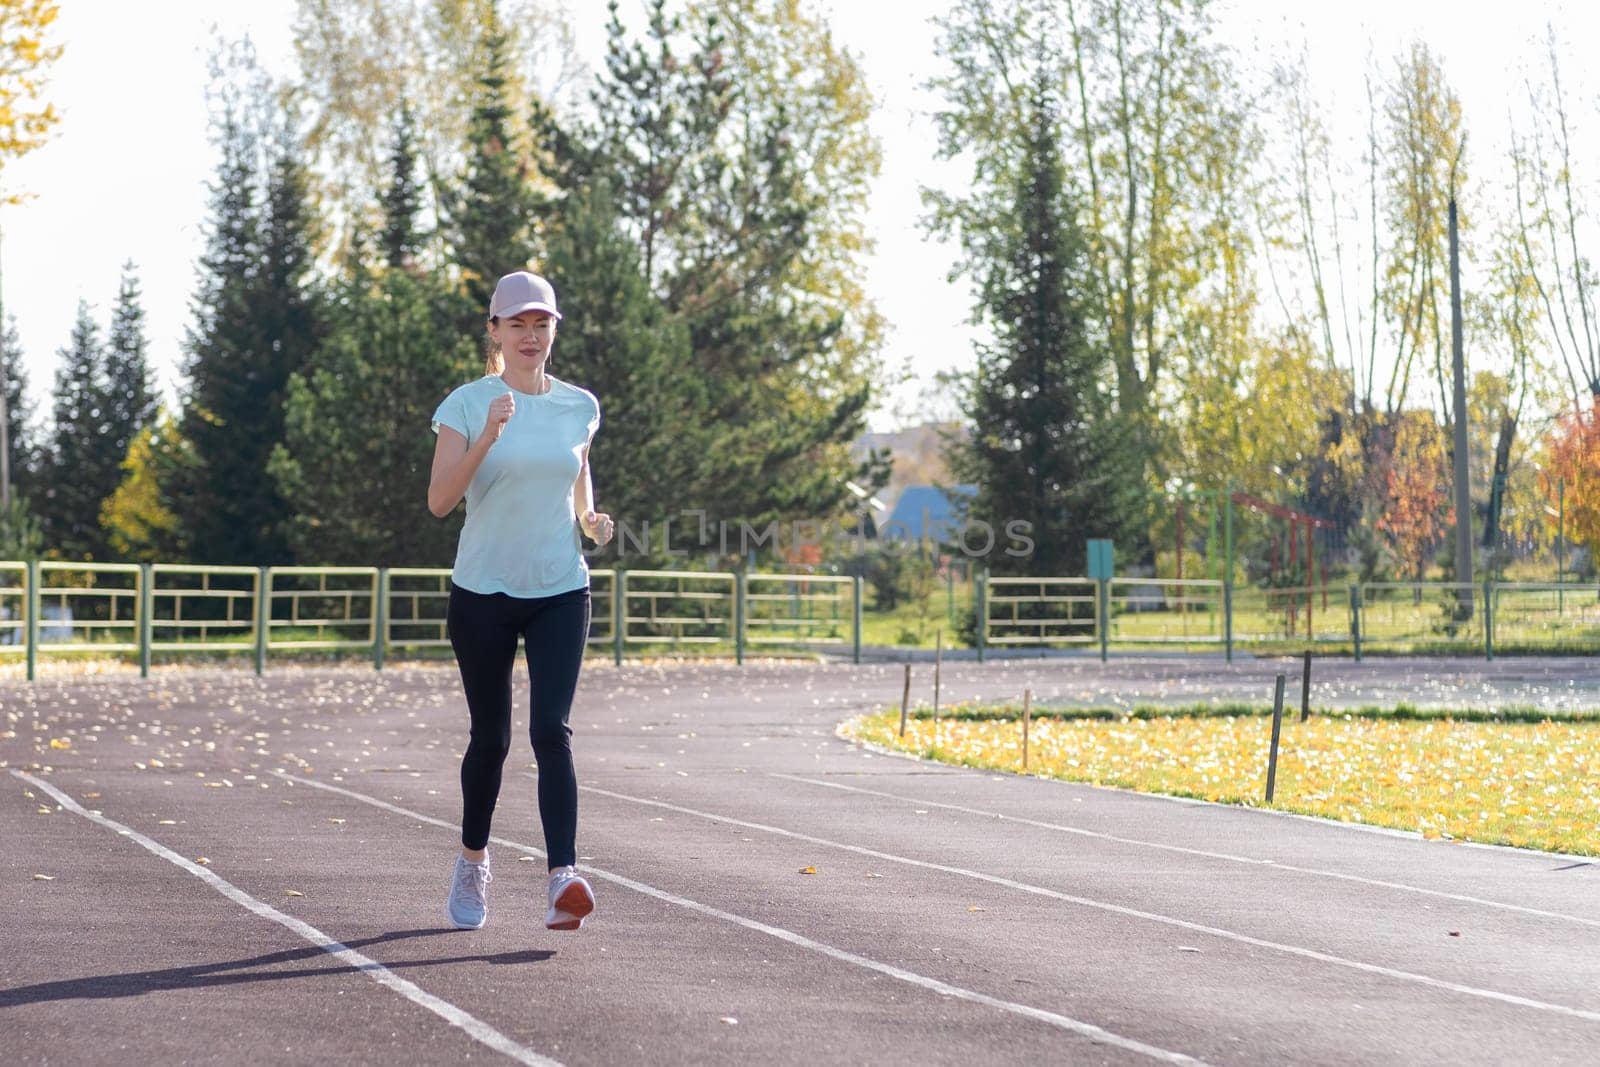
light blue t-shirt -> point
(521, 536)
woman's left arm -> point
(596, 526)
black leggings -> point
(483, 631)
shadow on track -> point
(235, 972)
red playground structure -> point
(1295, 520)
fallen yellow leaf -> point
(60, 742)
(293, 893)
(337, 822)
(976, 907)
(808, 870)
(202, 861)
(44, 878)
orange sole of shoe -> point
(577, 902)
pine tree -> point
(733, 210)
(392, 352)
(130, 400)
(1046, 446)
(491, 211)
(222, 358)
(621, 342)
(356, 454)
(256, 322)
(75, 483)
(20, 533)
(402, 199)
(22, 452)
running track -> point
(953, 917)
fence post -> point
(855, 613)
(982, 628)
(1277, 725)
(380, 619)
(263, 615)
(1305, 688)
(1027, 707)
(619, 612)
(1105, 618)
(1488, 618)
(738, 615)
(905, 700)
(146, 603)
(31, 628)
(1355, 619)
(1227, 615)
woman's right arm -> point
(454, 463)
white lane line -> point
(476, 1028)
(1089, 1030)
(1118, 909)
(1320, 873)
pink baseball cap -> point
(520, 291)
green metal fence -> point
(201, 608)
(1422, 617)
(602, 607)
(416, 599)
(678, 609)
(1299, 615)
(1041, 611)
(1452, 618)
(325, 608)
(56, 608)
(14, 603)
(1545, 616)
(86, 605)
(798, 610)
(1158, 611)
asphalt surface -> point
(208, 867)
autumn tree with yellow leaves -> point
(25, 124)
(25, 121)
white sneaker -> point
(468, 904)
(571, 899)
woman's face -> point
(525, 340)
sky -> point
(123, 178)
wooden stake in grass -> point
(1305, 689)
(938, 658)
(905, 700)
(1277, 724)
(1027, 707)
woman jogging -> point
(515, 444)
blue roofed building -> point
(926, 512)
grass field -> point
(1512, 778)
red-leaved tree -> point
(1417, 510)
(1574, 450)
